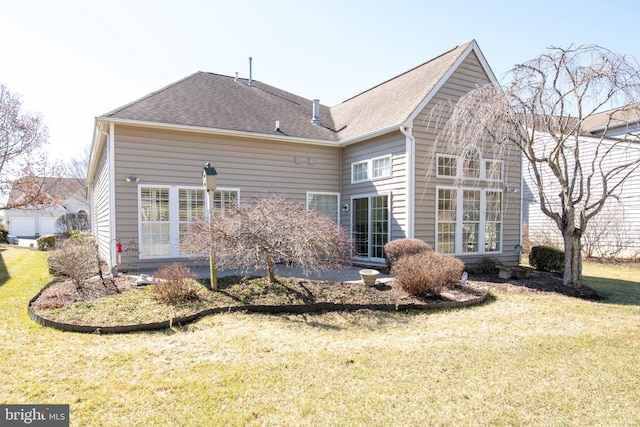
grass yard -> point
(520, 359)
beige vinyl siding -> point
(254, 167)
(465, 78)
(395, 186)
(100, 216)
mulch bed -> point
(62, 292)
(539, 281)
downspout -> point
(112, 195)
(410, 183)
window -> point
(493, 169)
(469, 220)
(326, 204)
(154, 222)
(471, 164)
(447, 202)
(367, 170)
(223, 200)
(360, 171)
(447, 165)
(493, 222)
(191, 206)
(381, 167)
(166, 214)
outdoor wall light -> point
(132, 178)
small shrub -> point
(46, 242)
(427, 273)
(174, 283)
(76, 259)
(3, 234)
(396, 249)
(484, 266)
(546, 258)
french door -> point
(370, 226)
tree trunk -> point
(572, 258)
(270, 269)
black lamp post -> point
(209, 182)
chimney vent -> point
(316, 112)
(236, 79)
(250, 71)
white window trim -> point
(460, 168)
(389, 216)
(174, 215)
(325, 193)
(173, 220)
(369, 168)
(372, 160)
(206, 196)
(459, 219)
(483, 170)
(448, 156)
(353, 165)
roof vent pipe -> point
(316, 111)
(236, 79)
(250, 72)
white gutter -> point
(372, 134)
(411, 180)
(214, 131)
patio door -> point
(370, 226)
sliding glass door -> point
(370, 226)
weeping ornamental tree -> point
(259, 233)
(545, 109)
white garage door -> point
(23, 227)
(47, 225)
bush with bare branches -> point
(75, 258)
(262, 232)
(174, 283)
(427, 273)
(403, 247)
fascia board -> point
(215, 131)
(370, 135)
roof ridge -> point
(406, 72)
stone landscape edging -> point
(271, 309)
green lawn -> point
(520, 359)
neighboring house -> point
(615, 231)
(34, 221)
(363, 162)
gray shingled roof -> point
(617, 117)
(222, 102)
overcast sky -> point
(75, 60)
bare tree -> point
(269, 230)
(23, 168)
(78, 165)
(544, 110)
(72, 221)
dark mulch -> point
(539, 281)
(62, 292)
